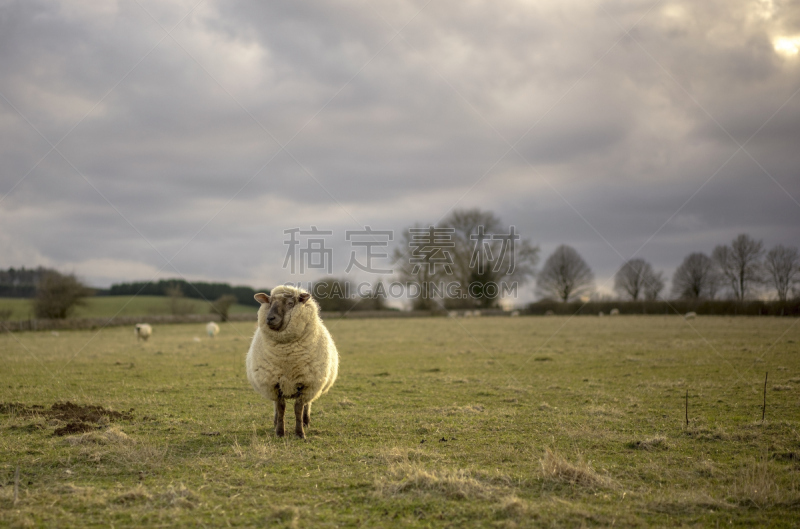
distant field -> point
(102, 306)
(482, 422)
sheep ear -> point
(304, 297)
(261, 297)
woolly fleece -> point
(302, 354)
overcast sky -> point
(147, 139)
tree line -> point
(737, 271)
(465, 250)
(21, 282)
(56, 295)
(195, 289)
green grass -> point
(485, 422)
(106, 306)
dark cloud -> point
(173, 146)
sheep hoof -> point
(300, 434)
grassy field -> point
(107, 306)
(483, 422)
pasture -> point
(107, 306)
(434, 422)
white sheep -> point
(549, 313)
(514, 314)
(690, 316)
(143, 331)
(614, 312)
(292, 355)
(601, 314)
(212, 329)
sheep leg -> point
(299, 406)
(307, 414)
(280, 409)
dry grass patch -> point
(259, 449)
(689, 503)
(515, 508)
(179, 496)
(173, 496)
(707, 469)
(397, 455)
(134, 495)
(132, 455)
(457, 484)
(71, 488)
(556, 469)
(757, 485)
(262, 449)
(88, 496)
(701, 433)
(115, 446)
(110, 436)
(658, 442)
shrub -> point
(58, 294)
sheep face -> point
(280, 307)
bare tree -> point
(653, 285)
(696, 278)
(58, 294)
(420, 269)
(740, 264)
(222, 306)
(783, 267)
(469, 247)
(632, 278)
(565, 275)
(488, 252)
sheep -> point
(614, 312)
(292, 355)
(549, 313)
(514, 314)
(601, 314)
(690, 316)
(212, 329)
(143, 331)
